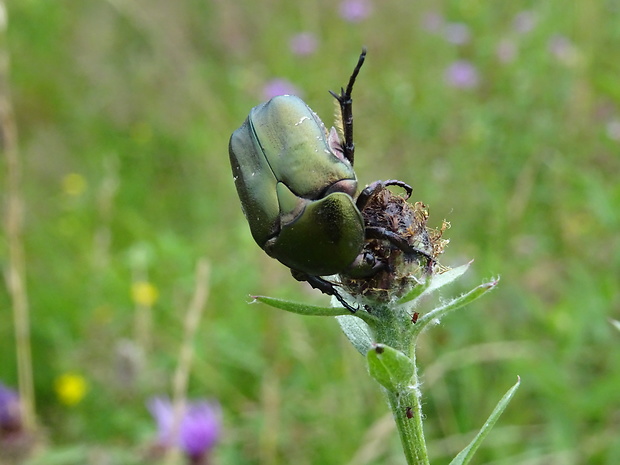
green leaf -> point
(313, 310)
(466, 454)
(357, 332)
(454, 304)
(301, 309)
(440, 280)
(415, 292)
(390, 367)
(436, 282)
(615, 323)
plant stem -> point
(186, 353)
(407, 410)
(16, 266)
(394, 328)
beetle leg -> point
(365, 195)
(346, 109)
(400, 242)
(324, 286)
(396, 182)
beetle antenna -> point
(346, 109)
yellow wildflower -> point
(74, 184)
(70, 388)
(144, 293)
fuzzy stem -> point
(407, 410)
(406, 406)
(395, 330)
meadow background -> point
(503, 116)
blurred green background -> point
(503, 116)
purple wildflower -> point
(10, 418)
(304, 43)
(279, 87)
(462, 74)
(198, 429)
(524, 22)
(561, 48)
(355, 11)
(162, 411)
(457, 33)
(433, 21)
(613, 129)
(506, 51)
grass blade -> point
(466, 454)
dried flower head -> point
(393, 213)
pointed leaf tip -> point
(456, 303)
(615, 323)
(300, 308)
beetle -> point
(297, 187)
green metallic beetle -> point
(296, 184)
